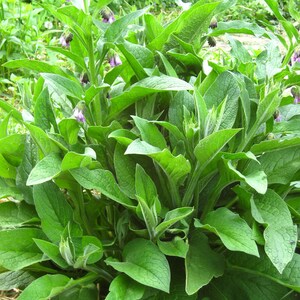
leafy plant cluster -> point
(144, 171)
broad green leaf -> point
(13, 215)
(123, 136)
(17, 249)
(69, 129)
(147, 86)
(280, 234)
(45, 287)
(73, 160)
(43, 112)
(125, 171)
(267, 107)
(4, 125)
(12, 148)
(144, 263)
(276, 163)
(150, 133)
(169, 68)
(7, 190)
(93, 91)
(239, 51)
(201, 264)
(268, 62)
(287, 126)
(45, 169)
(277, 144)
(210, 146)
(104, 182)
(233, 231)
(29, 160)
(263, 267)
(238, 26)
(15, 280)
(124, 288)
(79, 292)
(152, 27)
(246, 286)
(172, 217)
(42, 140)
(101, 133)
(189, 27)
(174, 166)
(35, 65)
(63, 85)
(224, 87)
(51, 251)
(119, 28)
(6, 169)
(53, 209)
(177, 247)
(78, 60)
(10, 109)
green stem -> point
(248, 138)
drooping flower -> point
(277, 116)
(78, 112)
(214, 23)
(296, 57)
(66, 39)
(107, 16)
(211, 41)
(296, 94)
(115, 60)
(84, 79)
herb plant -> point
(141, 174)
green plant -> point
(153, 178)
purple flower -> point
(78, 112)
(115, 60)
(107, 16)
(296, 57)
(277, 116)
(296, 94)
(66, 39)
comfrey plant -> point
(154, 179)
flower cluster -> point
(65, 40)
(107, 16)
(115, 60)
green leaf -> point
(52, 251)
(172, 217)
(53, 209)
(239, 51)
(147, 86)
(45, 287)
(15, 280)
(10, 109)
(6, 169)
(17, 249)
(35, 65)
(43, 112)
(119, 28)
(12, 148)
(280, 233)
(201, 263)
(189, 27)
(267, 107)
(177, 247)
(42, 140)
(28, 162)
(125, 171)
(104, 182)
(63, 85)
(45, 169)
(144, 263)
(73, 160)
(169, 68)
(277, 144)
(275, 164)
(124, 288)
(150, 133)
(224, 87)
(246, 286)
(79, 292)
(69, 129)
(233, 231)
(263, 267)
(152, 27)
(210, 146)
(13, 215)
(174, 166)
(4, 125)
